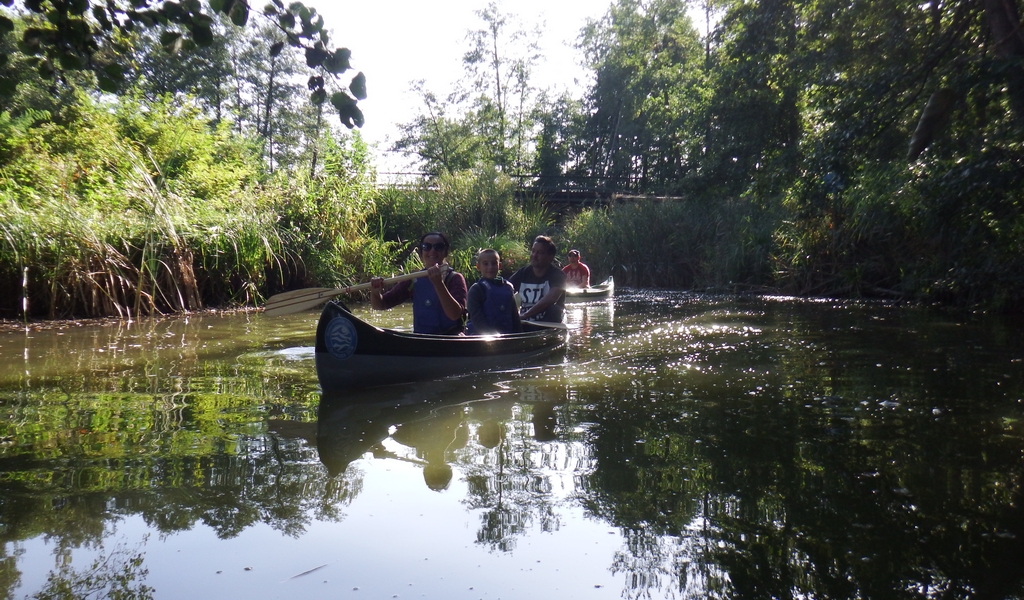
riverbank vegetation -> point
(810, 148)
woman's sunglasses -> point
(440, 246)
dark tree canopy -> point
(63, 36)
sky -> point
(396, 42)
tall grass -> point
(104, 217)
(687, 243)
(476, 209)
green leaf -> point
(8, 85)
(351, 116)
(202, 35)
(338, 62)
(46, 70)
(171, 41)
(286, 20)
(239, 14)
(101, 17)
(78, 7)
(358, 86)
(347, 109)
(6, 25)
(319, 96)
(315, 57)
(70, 61)
(270, 10)
(276, 48)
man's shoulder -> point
(555, 275)
(518, 275)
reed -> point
(514, 253)
(687, 243)
(104, 217)
(476, 209)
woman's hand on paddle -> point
(377, 293)
(436, 275)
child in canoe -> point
(491, 300)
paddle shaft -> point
(365, 286)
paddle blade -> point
(295, 301)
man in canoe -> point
(438, 301)
(540, 284)
(577, 274)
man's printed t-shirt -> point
(532, 288)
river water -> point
(683, 446)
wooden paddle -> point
(295, 301)
(549, 324)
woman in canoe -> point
(438, 300)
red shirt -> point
(576, 275)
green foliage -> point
(474, 208)
(645, 102)
(513, 252)
(326, 216)
(94, 37)
(136, 208)
(673, 244)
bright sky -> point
(396, 42)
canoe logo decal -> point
(341, 338)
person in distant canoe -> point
(438, 300)
(541, 284)
(577, 274)
(491, 302)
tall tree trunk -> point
(1004, 21)
(316, 140)
(268, 105)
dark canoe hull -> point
(605, 289)
(352, 354)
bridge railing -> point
(553, 189)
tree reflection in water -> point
(738, 448)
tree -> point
(490, 118)
(92, 36)
(498, 66)
(648, 86)
(208, 76)
(560, 148)
(442, 143)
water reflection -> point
(735, 447)
(495, 432)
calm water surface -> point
(682, 447)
